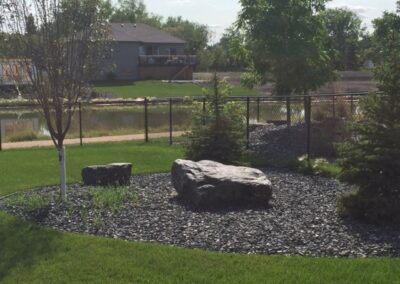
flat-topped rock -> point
(117, 174)
(212, 184)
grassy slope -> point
(29, 253)
(159, 89)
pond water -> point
(29, 124)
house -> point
(12, 72)
(141, 52)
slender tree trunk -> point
(63, 173)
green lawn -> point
(32, 254)
(27, 168)
(143, 89)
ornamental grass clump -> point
(371, 158)
(218, 131)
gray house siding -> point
(139, 49)
(124, 61)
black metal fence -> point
(168, 115)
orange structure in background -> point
(12, 72)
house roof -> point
(143, 33)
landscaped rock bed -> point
(302, 219)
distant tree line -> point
(345, 39)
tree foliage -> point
(196, 35)
(229, 54)
(345, 35)
(371, 159)
(132, 11)
(288, 40)
(60, 45)
(218, 132)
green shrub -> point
(325, 134)
(218, 133)
(371, 161)
(371, 158)
(363, 205)
(320, 167)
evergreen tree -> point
(371, 159)
(218, 132)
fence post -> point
(308, 122)
(351, 106)
(248, 123)
(204, 111)
(258, 110)
(288, 112)
(1, 147)
(80, 124)
(333, 106)
(146, 123)
(170, 121)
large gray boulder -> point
(107, 175)
(212, 184)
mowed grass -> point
(143, 89)
(28, 168)
(33, 254)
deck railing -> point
(167, 60)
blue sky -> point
(220, 14)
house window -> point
(173, 51)
(164, 51)
(151, 50)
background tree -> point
(233, 42)
(288, 43)
(371, 159)
(196, 35)
(229, 54)
(133, 11)
(345, 34)
(61, 42)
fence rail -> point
(297, 108)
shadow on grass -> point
(22, 244)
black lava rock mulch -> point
(302, 219)
(278, 142)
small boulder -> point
(212, 184)
(107, 175)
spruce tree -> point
(371, 159)
(218, 131)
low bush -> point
(325, 134)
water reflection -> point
(29, 124)
(18, 125)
